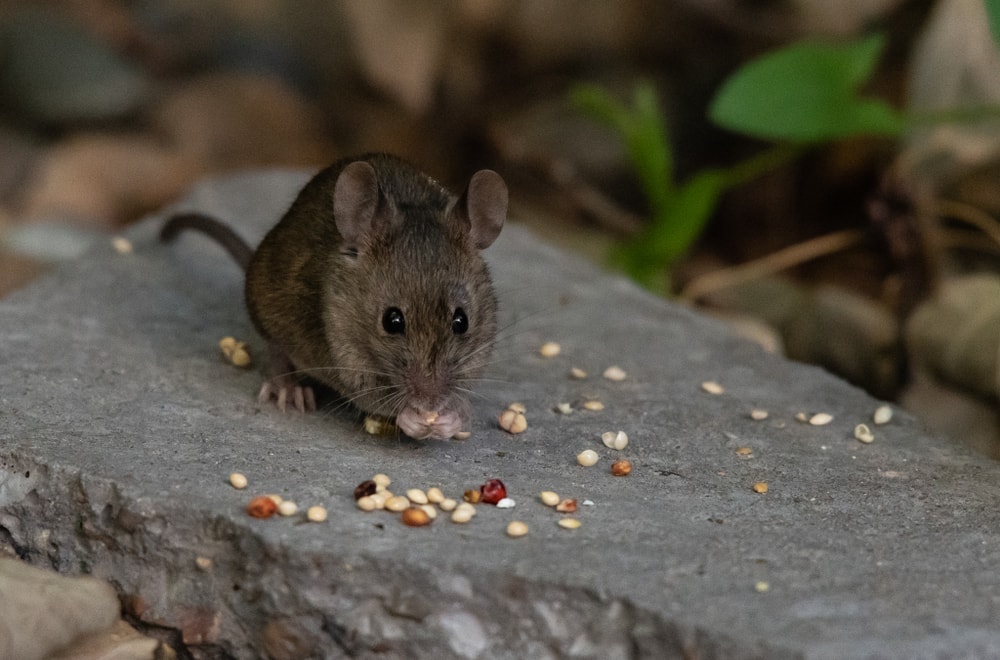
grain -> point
(864, 434)
(237, 481)
(550, 349)
(434, 495)
(397, 503)
(587, 458)
(883, 415)
(417, 496)
(316, 514)
(615, 373)
(712, 387)
(516, 529)
(621, 468)
(821, 419)
(760, 487)
(758, 415)
(569, 523)
(548, 498)
(288, 508)
(513, 421)
(415, 517)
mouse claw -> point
(301, 397)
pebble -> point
(615, 373)
(821, 419)
(883, 415)
(316, 514)
(587, 458)
(238, 481)
(516, 529)
(712, 387)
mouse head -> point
(427, 318)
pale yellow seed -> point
(712, 387)
(417, 496)
(516, 529)
(758, 414)
(429, 510)
(549, 498)
(864, 434)
(381, 480)
(461, 516)
(550, 349)
(587, 458)
(760, 487)
(277, 499)
(288, 508)
(237, 481)
(227, 344)
(615, 439)
(593, 405)
(569, 523)
(883, 415)
(465, 506)
(802, 417)
(762, 587)
(434, 495)
(821, 419)
(447, 504)
(367, 503)
(564, 408)
(397, 503)
(744, 451)
(240, 357)
(203, 563)
(316, 514)
(462, 435)
(375, 426)
(122, 245)
(379, 499)
(517, 406)
(513, 421)
(615, 373)
(577, 373)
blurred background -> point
(836, 201)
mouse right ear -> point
(355, 200)
(484, 207)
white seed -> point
(397, 503)
(434, 495)
(758, 414)
(883, 415)
(417, 496)
(382, 480)
(517, 406)
(461, 516)
(380, 499)
(429, 510)
(569, 523)
(447, 504)
(122, 245)
(462, 435)
(577, 373)
(465, 506)
(821, 419)
(762, 587)
(516, 529)
(615, 440)
(712, 387)
(802, 417)
(864, 434)
(316, 514)
(237, 481)
(505, 503)
(550, 349)
(513, 421)
(277, 499)
(615, 373)
(549, 498)
(587, 457)
(368, 503)
(564, 408)
(288, 508)
(203, 563)
(593, 405)
(588, 503)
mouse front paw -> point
(285, 390)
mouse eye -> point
(393, 321)
(459, 322)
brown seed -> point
(261, 506)
(568, 505)
(621, 468)
(472, 496)
(760, 487)
(415, 517)
(364, 489)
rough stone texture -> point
(119, 424)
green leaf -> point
(993, 13)
(806, 92)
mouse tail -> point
(221, 233)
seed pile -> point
(513, 420)
(235, 351)
(265, 506)
(418, 508)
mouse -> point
(373, 284)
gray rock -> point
(119, 424)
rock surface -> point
(119, 426)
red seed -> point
(493, 491)
(261, 506)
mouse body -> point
(373, 284)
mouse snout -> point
(428, 392)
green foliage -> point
(993, 13)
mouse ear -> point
(355, 200)
(483, 206)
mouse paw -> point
(421, 425)
(285, 390)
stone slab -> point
(119, 424)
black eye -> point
(459, 322)
(393, 321)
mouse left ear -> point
(483, 207)
(355, 201)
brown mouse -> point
(372, 283)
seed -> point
(240, 357)
(316, 514)
(434, 495)
(550, 349)
(382, 480)
(802, 417)
(277, 499)
(462, 435)
(465, 506)
(516, 529)
(288, 508)
(615, 440)
(431, 417)
(548, 498)
(593, 405)
(569, 523)
(615, 373)
(506, 503)
(744, 451)
(472, 496)
(380, 499)
(760, 487)
(237, 481)
(864, 434)
(577, 373)
(712, 387)
(492, 491)
(203, 563)
(587, 457)
(415, 517)
(122, 245)
(567, 505)
(367, 503)
(261, 506)
(621, 468)
(821, 419)
(517, 407)
(429, 510)
(447, 504)
(564, 408)
(417, 496)
(883, 415)
(513, 421)
(762, 587)
(375, 426)
(227, 344)
(397, 503)
(588, 503)
(461, 516)
(364, 488)
(758, 414)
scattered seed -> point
(417, 496)
(376, 426)
(588, 503)
(237, 481)
(548, 498)
(506, 503)
(517, 407)
(461, 516)
(235, 351)
(593, 405)
(564, 408)
(760, 487)
(434, 495)
(261, 506)
(203, 563)
(615, 373)
(587, 457)
(744, 451)
(429, 510)
(821, 419)
(462, 435)
(621, 468)
(415, 517)
(567, 505)
(277, 499)
(883, 415)
(397, 503)
(802, 417)
(492, 491)
(569, 523)
(758, 414)
(382, 480)
(516, 529)
(513, 421)
(762, 587)
(472, 496)
(550, 349)
(577, 373)
(712, 387)
(288, 508)
(380, 499)
(447, 504)
(316, 514)
(122, 245)
(368, 503)
(367, 487)
(465, 506)
(864, 434)
(615, 440)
